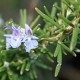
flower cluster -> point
(21, 35)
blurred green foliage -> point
(59, 36)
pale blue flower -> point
(30, 41)
(13, 40)
(21, 35)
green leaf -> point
(28, 66)
(57, 50)
(57, 69)
(67, 4)
(64, 52)
(23, 18)
(31, 75)
(67, 49)
(42, 65)
(59, 57)
(74, 38)
(49, 58)
(46, 11)
(53, 11)
(65, 20)
(36, 28)
(58, 8)
(47, 18)
(63, 8)
(34, 73)
(23, 68)
(50, 54)
(35, 21)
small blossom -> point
(19, 36)
(30, 40)
(28, 30)
(13, 40)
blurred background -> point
(10, 8)
(70, 69)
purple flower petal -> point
(18, 36)
(30, 44)
(13, 27)
(8, 43)
(28, 30)
(15, 43)
(14, 39)
(35, 43)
